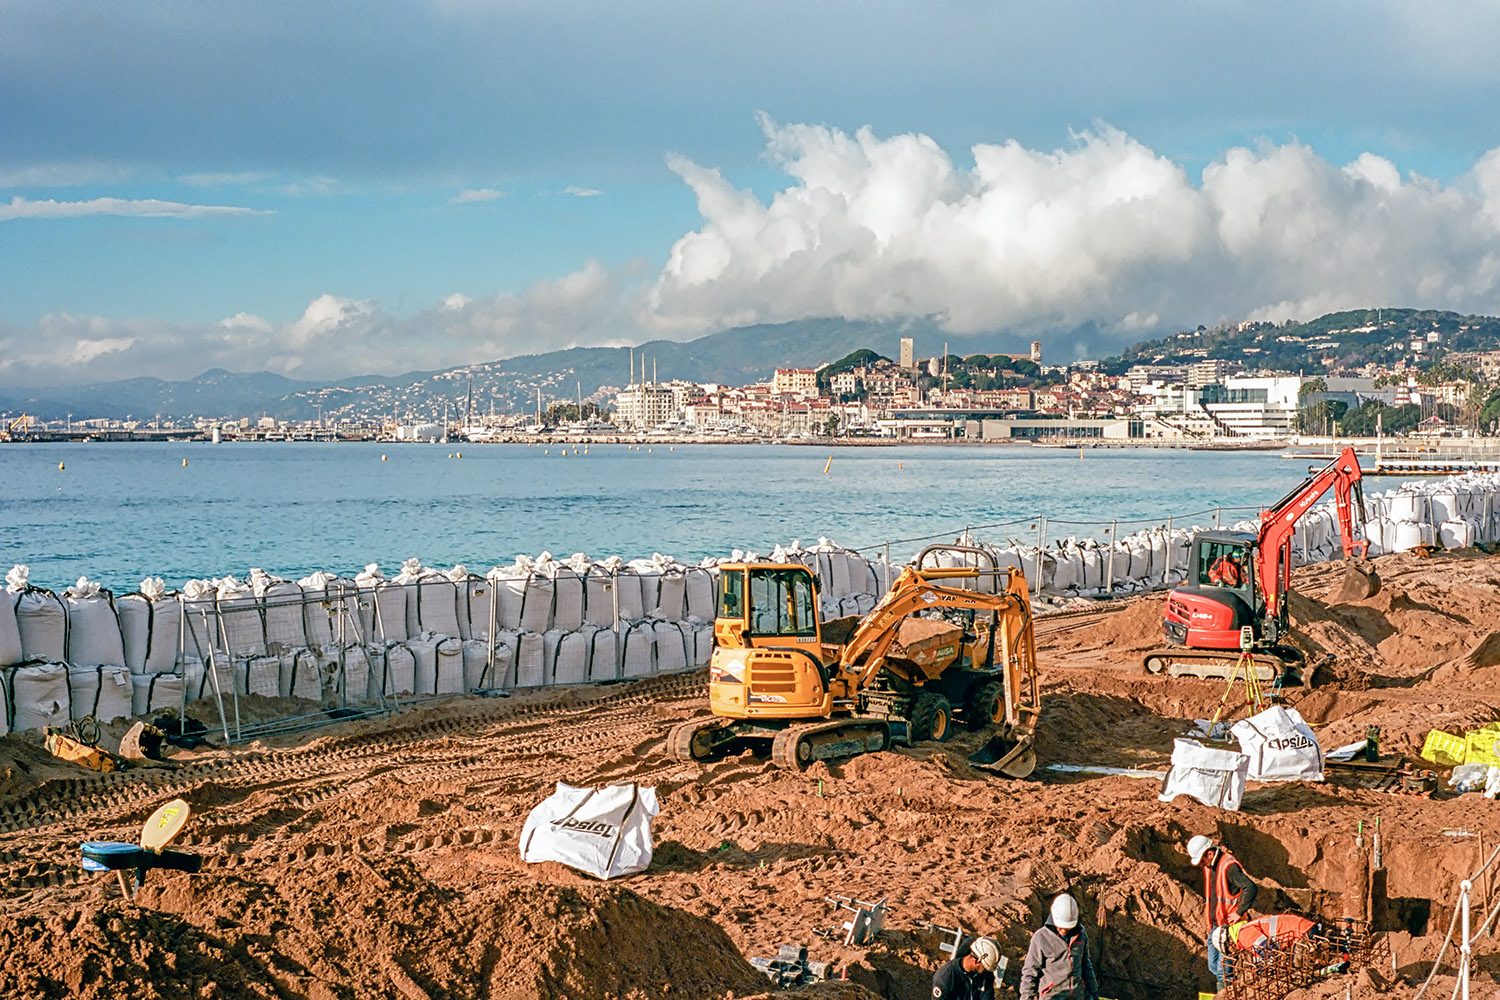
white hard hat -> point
(987, 952)
(1197, 847)
(1217, 937)
(1064, 912)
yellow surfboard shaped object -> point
(164, 824)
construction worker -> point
(1057, 965)
(1263, 934)
(970, 975)
(1228, 570)
(1228, 894)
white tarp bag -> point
(104, 692)
(281, 609)
(38, 696)
(10, 632)
(152, 692)
(1214, 777)
(604, 832)
(1281, 746)
(93, 629)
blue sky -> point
(322, 188)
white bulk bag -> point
(424, 667)
(503, 675)
(437, 605)
(411, 574)
(568, 596)
(104, 692)
(258, 675)
(1281, 747)
(38, 695)
(602, 649)
(201, 633)
(1214, 777)
(702, 638)
(1140, 557)
(1456, 534)
(673, 648)
(93, 629)
(449, 676)
(151, 628)
(353, 679)
(474, 607)
(510, 590)
(536, 602)
(1117, 563)
(398, 670)
(648, 575)
(833, 568)
(599, 593)
(638, 651)
(153, 692)
(1408, 505)
(301, 675)
(1410, 534)
(10, 633)
(1067, 571)
(318, 625)
(239, 616)
(531, 660)
(281, 606)
(671, 595)
(42, 622)
(604, 832)
(476, 656)
(1090, 569)
(567, 655)
(1443, 504)
(631, 590)
(701, 600)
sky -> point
(323, 188)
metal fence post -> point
(1109, 585)
(1166, 574)
(1041, 540)
(1218, 512)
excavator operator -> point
(1228, 570)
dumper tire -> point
(931, 718)
(985, 705)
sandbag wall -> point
(356, 640)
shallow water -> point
(119, 512)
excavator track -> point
(1281, 663)
(702, 740)
(798, 746)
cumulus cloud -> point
(334, 337)
(1104, 232)
(476, 196)
(23, 208)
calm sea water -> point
(119, 512)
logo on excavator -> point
(930, 597)
(774, 699)
(586, 826)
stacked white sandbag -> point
(258, 675)
(240, 619)
(567, 655)
(603, 649)
(103, 692)
(646, 573)
(11, 650)
(93, 633)
(702, 592)
(281, 612)
(202, 624)
(150, 627)
(326, 599)
(438, 602)
(600, 588)
(151, 693)
(382, 607)
(638, 650)
(537, 595)
(38, 695)
(300, 674)
(41, 617)
(411, 574)
(673, 648)
(531, 661)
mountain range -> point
(733, 357)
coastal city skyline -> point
(456, 182)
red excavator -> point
(1238, 580)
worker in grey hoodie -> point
(1057, 965)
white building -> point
(1256, 406)
(645, 405)
(795, 382)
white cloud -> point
(455, 301)
(245, 321)
(71, 173)
(1103, 232)
(23, 208)
(582, 192)
(476, 196)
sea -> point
(120, 512)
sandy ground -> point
(379, 858)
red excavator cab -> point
(1219, 597)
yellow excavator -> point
(784, 683)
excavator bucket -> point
(1360, 581)
(1012, 758)
(141, 744)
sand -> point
(379, 858)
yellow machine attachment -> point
(780, 679)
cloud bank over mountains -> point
(1104, 233)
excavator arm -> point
(864, 653)
(1342, 475)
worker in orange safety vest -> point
(1228, 894)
